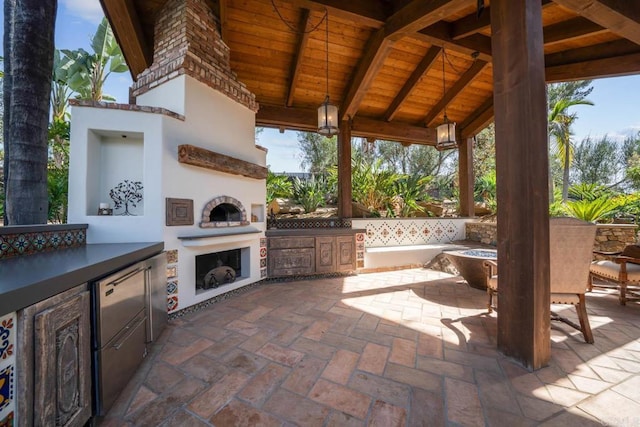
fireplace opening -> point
(218, 268)
(225, 212)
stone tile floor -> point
(402, 348)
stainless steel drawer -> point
(119, 360)
(120, 298)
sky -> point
(616, 110)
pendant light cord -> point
(444, 55)
(292, 27)
(326, 18)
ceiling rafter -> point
(479, 120)
(571, 30)
(122, 14)
(415, 15)
(606, 67)
(421, 69)
(303, 39)
(464, 81)
(620, 17)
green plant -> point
(57, 189)
(591, 210)
(278, 186)
(309, 193)
(588, 192)
(412, 189)
(372, 186)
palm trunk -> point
(9, 7)
(565, 175)
(31, 57)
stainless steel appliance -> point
(127, 315)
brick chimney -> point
(187, 41)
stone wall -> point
(187, 41)
(609, 237)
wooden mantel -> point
(201, 157)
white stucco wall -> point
(212, 121)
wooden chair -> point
(571, 247)
(621, 271)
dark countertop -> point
(284, 232)
(25, 280)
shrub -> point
(278, 186)
(309, 193)
(591, 210)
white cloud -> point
(89, 10)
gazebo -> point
(399, 68)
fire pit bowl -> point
(469, 263)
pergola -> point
(386, 74)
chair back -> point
(571, 244)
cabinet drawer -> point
(346, 253)
(290, 242)
(290, 262)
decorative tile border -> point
(410, 231)
(263, 257)
(32, 242)
(7, 369)
(304, 223)
(172, 256)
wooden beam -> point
(479, 120)
(377, 49)
(303, 39)
(127, 29)
(472, 24)
(305, 119)
(619, 16)
(522, 165)
(362, 12)
(466, 178)
(570, 30)
(439, 34)
(223, 8)
(420, 14)
(423, 67)
(345, 207)
(201, 157)
(590, 53)
(464, 81)
(608, 67)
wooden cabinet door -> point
(62, 395)
(325, 254)
(346, 253)
(291, 262)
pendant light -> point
(327, 112)
(446, 132)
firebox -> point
(218, 268)
(225, 212)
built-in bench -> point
(407, 242)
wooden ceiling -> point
(385, 56)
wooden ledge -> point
(201, 157)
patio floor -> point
(406, 348)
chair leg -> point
(623, 293)
(581, 308)
(590, 285)
(490, 304)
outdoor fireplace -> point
(218, 268)
(223, 211)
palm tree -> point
(560, 121)
(28, 49)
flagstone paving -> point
(402, 348)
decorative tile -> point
(360, 264)
(30, 243)
(263, 242)
(172, 287)
(263, 263)
(172, 302)
(263, 252)
(7, 421)
(6, 387)
(400, 232)
(172, 272)
(263, 273)
(7, 336)
(172, 256)
(307, 223)
(360, 237)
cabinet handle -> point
(132, 329)
(126, 276)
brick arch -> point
(205, 222)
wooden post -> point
(522, 167)
(466, 178)
(344, 170)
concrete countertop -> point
(284, 232)
(25, 280)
